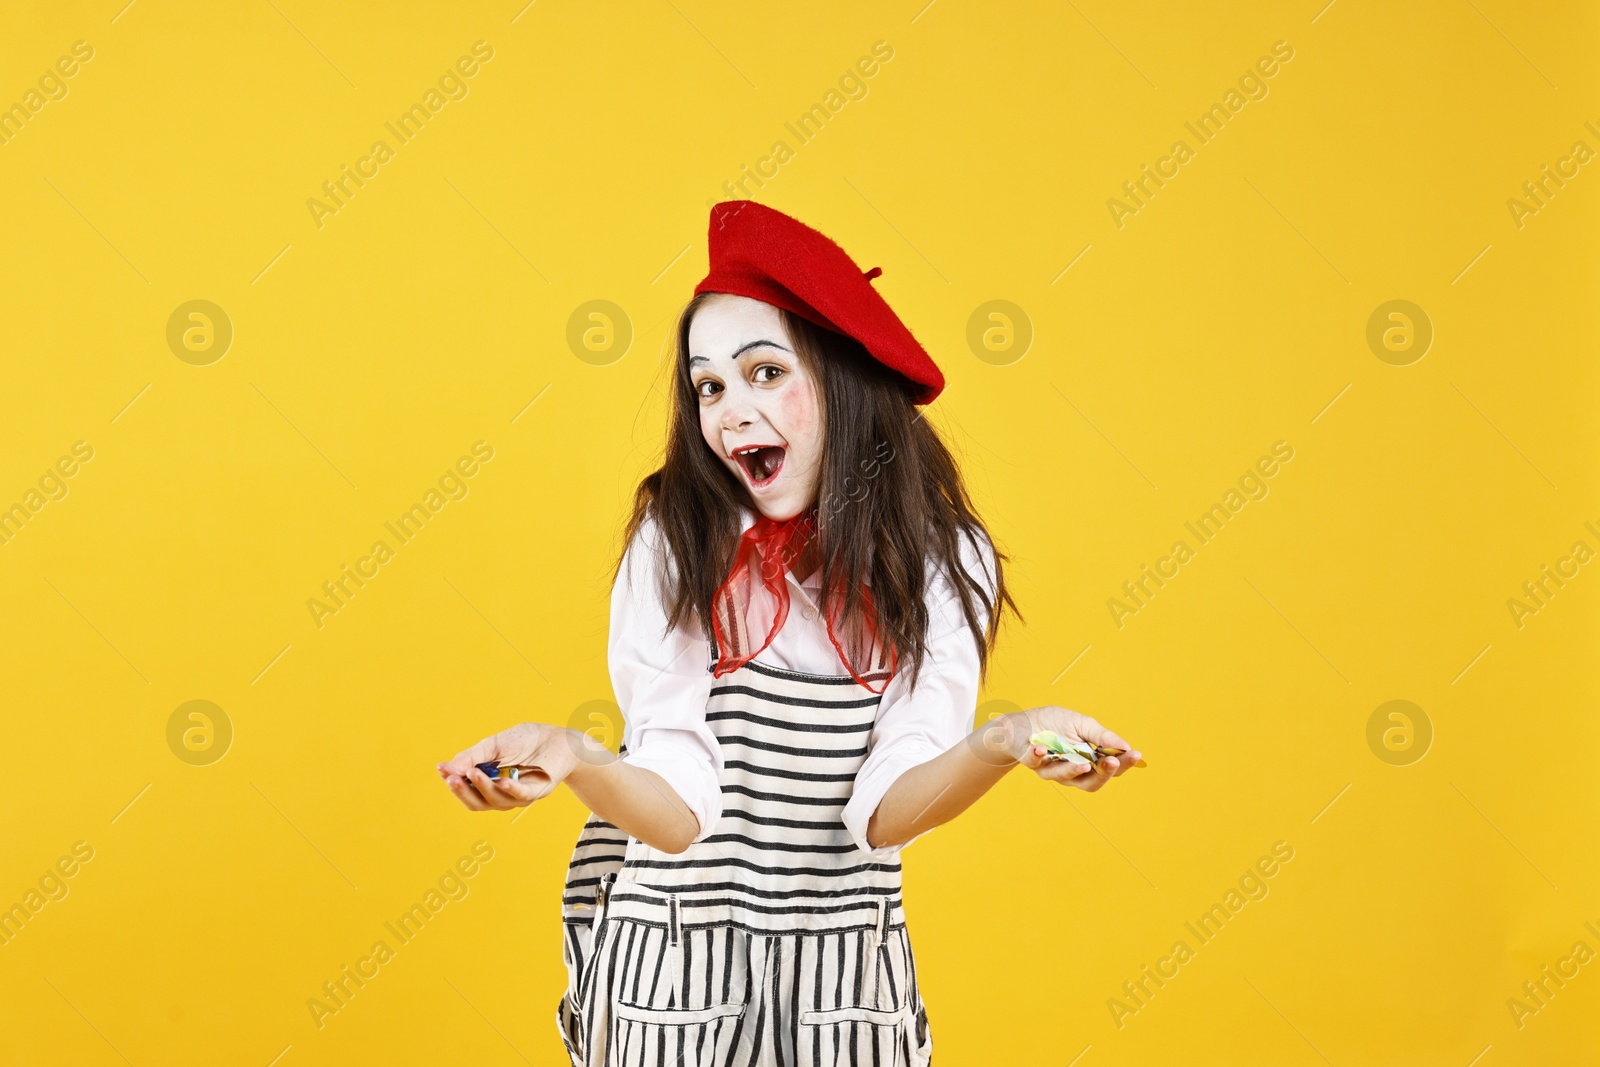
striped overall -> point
(774, 940)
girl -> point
(735, 895)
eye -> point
(768, 366)
(701, 388)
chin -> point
(779, 510)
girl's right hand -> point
(550, 751)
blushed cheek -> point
(802, 419)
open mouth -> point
(761, 463)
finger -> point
(493, 790)
(1046, 762)
(1091, 731)
(1096, 734)
(1128, 762)
(503, 794)
(522, 791)
(1125, 748)
(463, 762)
(519, 791)
(1065, 771)
(531, 786)
(465, 793)
(1110, 767)
(1090, 783)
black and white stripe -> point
(773, 940)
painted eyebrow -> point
(742, 351)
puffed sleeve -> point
(913, 728)
(662, 681)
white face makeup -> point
(760, 408)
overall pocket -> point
(582, 942)
(882, 1023)
(678, 995)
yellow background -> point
(432, 309)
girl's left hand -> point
(1074, 727)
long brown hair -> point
(890, 497)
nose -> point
(738, 415)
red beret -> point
(766, 255)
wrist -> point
(1001, 741)
(588, 755)
(1019, 727)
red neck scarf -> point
(754, 601)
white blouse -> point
(662, 682)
